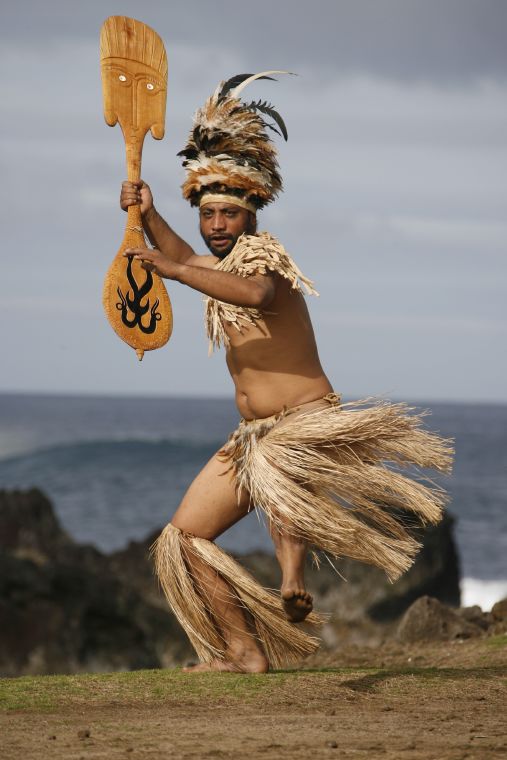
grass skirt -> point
(334, 475)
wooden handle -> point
(134, 153)
(134, 160)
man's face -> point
(221, 224)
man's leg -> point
(209, 508)
(291, 555)
(290, 550)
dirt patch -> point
(441, 701)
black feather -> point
(267, 108)
(234, 82)
(272, 128)
(196, 135)
(188, 153)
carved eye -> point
(122, 78)
(149, 86)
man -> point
(313, 467)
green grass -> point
(49, 693)
(172, 687)
(497, 642)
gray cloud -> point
(448, 41)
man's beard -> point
(220, 253)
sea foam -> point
(482, 592)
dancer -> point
(324, 474)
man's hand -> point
(257, 291)
(136, 194)
(155, 261)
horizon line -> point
(155, 395)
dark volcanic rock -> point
(134, 566)
(429, 620)
(475, 615)
(436, 573)
(62, 607)
(28, 525)
(499, 610)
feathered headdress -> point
(229, 154)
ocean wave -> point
(485, 593)
(110, 447)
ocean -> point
(116, 469)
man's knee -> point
(190, 528)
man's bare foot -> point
(297, 603)
(211, 667)
(241, 661)
(219, 666)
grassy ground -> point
(440, 701)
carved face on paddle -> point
(133, 64)
(135, 96)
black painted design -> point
(134, 305)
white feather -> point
(224, 169)
(237, 90)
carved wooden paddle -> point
(133, 64)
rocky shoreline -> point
(69, 608)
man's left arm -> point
(255, 292)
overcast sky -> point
(395, 189)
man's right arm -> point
(159, 233)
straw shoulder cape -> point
(252, 254)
